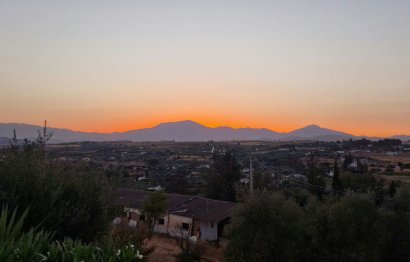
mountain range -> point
(182, 131)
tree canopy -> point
(271, 227)
(72, 201)
(154, 208)
(222, 177)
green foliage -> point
(222, 177)
(348, 160)
(344, 230)
(300, 196)
(190, 251)
(70, 201)
(336, 182)
(359, 183)
(16, 245)
(85, 196)
(261, 180)
(154, 207)
(271, 227)
(315, 177)
(122, 235)
(392, 188)
(265, 228)
(33, 245)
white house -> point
(186, 215)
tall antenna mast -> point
(251, 175)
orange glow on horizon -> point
(116, 126)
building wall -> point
(162, 228)
(209, 230)
(175, 225)
(133, 217)
(135, 214)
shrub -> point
(34, 245)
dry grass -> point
(166, 248)
(402, 157)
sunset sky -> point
(119, 65)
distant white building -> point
(331, 173)
(353, 165)
(155, 188)
(244, 180)
(142, 179)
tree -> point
(177, 184)
(336, 182)
(222, 177)
(353, 227)
(392, 188)
(267, 227)
(261, 180)
(315, 178)
(154, 208)
(343, 229)
(83, 204)
(397, 227)
(358, 183)
(348, 160)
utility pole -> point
(251, 175)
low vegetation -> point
(37, 245)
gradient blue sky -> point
(119, 65)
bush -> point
(33, 245)
(353, 227)
(73, 202)
(267, 227)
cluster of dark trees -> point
(355, 218)
(71, 201)
(222, 177)
(270, 226)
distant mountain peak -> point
(317, 132)
(312, 126)
(186, 123)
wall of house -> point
(209, 230)
(135, 215)
(162, 229)
(175, 225)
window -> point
(161, 221)
(185, 226)
(142, 217)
